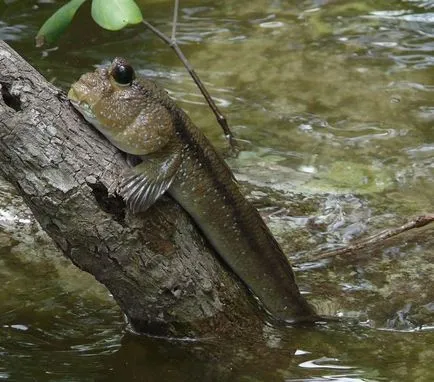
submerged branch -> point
(376, 239)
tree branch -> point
(175, 20)
(376, 239)
(160, 271)
(221, 119)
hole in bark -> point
(113, 205)
(10, 100)
(176, 291)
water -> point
(334, 103)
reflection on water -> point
(335, 101)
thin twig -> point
(221, 119)
(375, 239)
(175, 20)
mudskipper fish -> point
(141, 119)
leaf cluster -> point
(109, 14)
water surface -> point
(333, 101)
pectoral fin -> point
(141, 186)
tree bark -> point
(161, 272)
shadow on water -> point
(293, 354)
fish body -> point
(141, 119)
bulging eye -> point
(122, 73)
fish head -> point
(135, 115)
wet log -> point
(162, 273)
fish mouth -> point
(83, 107)
(86, 111)
(73, 96)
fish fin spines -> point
(142, 185)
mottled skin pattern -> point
(140, 119)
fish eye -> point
(123, 73)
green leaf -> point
(115, 14)
(57, 23)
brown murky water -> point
(335, 103)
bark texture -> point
(161, 272)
